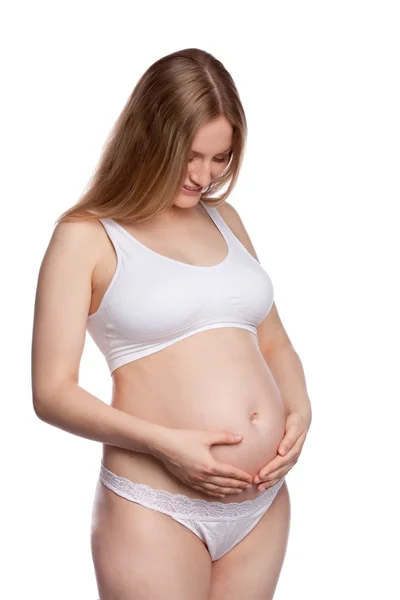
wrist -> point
(304, 416)
(158, 440)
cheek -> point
(218, 169)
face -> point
(209, 156)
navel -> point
(254, 418)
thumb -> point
(285, 445)
(227, 437)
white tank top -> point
(154, 301)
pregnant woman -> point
(161, 271)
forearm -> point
(288, 372)
(76, 411)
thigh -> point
(251, 569)
(141, 553)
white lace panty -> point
(220, 526)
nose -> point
(200, 176)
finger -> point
(285, 446)
(279, 462)
(271, 469)
(290, 439)
(273, 466)
(209, 493)
(228, 483)
(269, 484)
(224, 437)
(276, 475)
(227, 471)
(292, 434)
(221, 489)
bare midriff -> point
(214, 380)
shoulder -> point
(80, 241)
(232, 218)
(82, 233)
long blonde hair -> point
(144, 159)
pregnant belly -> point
(236, 393)
(262, 432)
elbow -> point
(41, 405)
(46, 400)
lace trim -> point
(180, 505)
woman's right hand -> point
(186, 454)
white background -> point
(318, 194)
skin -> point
(131, 543)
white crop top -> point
(154, 301)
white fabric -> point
(154, 301)
(220, 526)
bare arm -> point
(62, 304)
(273, 340)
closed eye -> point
(218, 160)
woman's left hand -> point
(296, 429)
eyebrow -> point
(200, 154)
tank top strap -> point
(220, 223)
(114, 233)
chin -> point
(184, 201)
